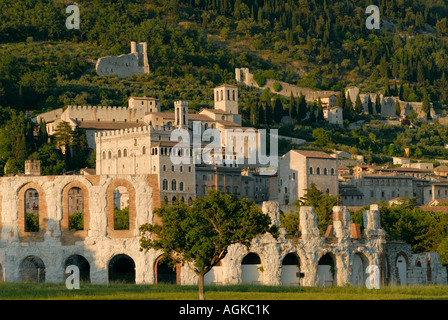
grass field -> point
(48, 291)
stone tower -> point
(226, 98)
(181, 114)
(32, 167)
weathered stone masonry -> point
(339, 258)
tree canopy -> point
(199, 235)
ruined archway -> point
(326, 270)
(165, 272)
(290, 270)
(121, 269)
(251, 269)
(359, 267)
(82, 264)
(401, 267)
(32, 269)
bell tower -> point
(226, 98)
(181, 114)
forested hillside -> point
(195, 45)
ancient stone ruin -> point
(125, 65)
(105, 253)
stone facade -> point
(298, 169)
(339, 258)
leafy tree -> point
(397, 108)
(292, 107)
(63, 136)
(121, 218)
(320, 110)
(358, 105)
(76, 221)
(278, 110)
(321, 137)
(199, 235)
(369, 105)
(377, 104)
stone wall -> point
(125, 65)
(243, 76)
(338, 258)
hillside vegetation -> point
(195, 45)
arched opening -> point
(165, 272)
(326, 271)
(428, 271)
(290, 270)
(121, 269)
(401, 265)
(75, 209)
(214, 276)
(31, 210)
(82, 264)
(359, 267)
(32, 269)
(251, 269)
(121, 208)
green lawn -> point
(33, 291)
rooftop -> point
(314, 154)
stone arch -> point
(43, 214)
(290, 270)
(251, 268)
(359, 265)
(110, 209)
(327, 270)
(401, 267)
(68, 236)
(32, 269)
(82, 263)
(164, 273)
(121, 268)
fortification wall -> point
(103, 113)
(125, 65)
(243, 76)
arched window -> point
(31, 210)
(318, 171)
(144, 150)
(311, 170)
(75, 209)
(109, 155)
(332, 171)
(125, 153)
(119, 153)
(181, 186)
(325, 171)
(104, 155)
(173, 185)
(121, 208)
(165, 184)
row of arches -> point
(75, 202)
(120, 153)
(121, 268)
